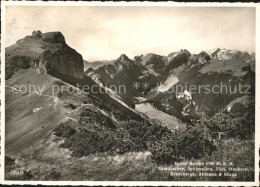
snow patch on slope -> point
(185, 95)
(226, 54)
(170, 82)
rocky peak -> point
(89, 70)
(184, 51)
(46, 51)
(214, 53)
(181, 52)
(156, 61)
(225, 54)
(201, 58)
(123, 62)
(53, 37)
(38, 36)
(123, 58)
(176, 59)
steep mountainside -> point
(221, 67)
(48, 52)
(164, 64)
(32, 114)
(150, 69)
(39, 98)
(154, 62)
(165, 73)
(125, 72)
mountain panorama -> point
(69, 119)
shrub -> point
(9, 161)
(195, 143)
(64, 130)
(191, 144)
(240, 125)
(90, 142)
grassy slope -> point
(25, 127)
(48, 161)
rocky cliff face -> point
(164, 64)
(47, 52)
(156, 61)
(201, 58)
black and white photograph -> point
(129, 92)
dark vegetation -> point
(16, 173)
(165, 146)
(182, 146)
(129, 134)
(240, 125)
(240, 152)
(64, 131)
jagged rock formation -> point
(95, 77)
(225, 54)
(177, 59)
(201, 58)
(48, 50)
(164, 64)
(125, 71)
(154, 61)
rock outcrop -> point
(164, 64)
(156, 61)
(201, 58)
(47, 51)
(176, 59)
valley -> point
(166, 120)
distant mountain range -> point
(162, 73)
(95, 64)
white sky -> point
(104, 33)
